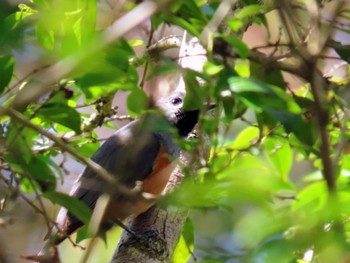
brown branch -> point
(318, 88)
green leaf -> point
(342, 50)
(45, 35)
(62, 114)
(267, 75)
(40, 171)
(181, 252)
(184, 24)
(234, 24)
(245, 138)
(241, 48)
(6, 70)
(137, 102)
(258, 224)
(188, 233)
(118, 57)
(240, 85)
(250, 10)
(79, 209)
(212, 69)
(275, 249)
(19, 142)
(280, 154)
(195, 94)
(163, 70)
(262, 97)
(312, 198)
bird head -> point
(183, 120)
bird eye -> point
(176, 101)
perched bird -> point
(137, 154)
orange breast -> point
(153, 184)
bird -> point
(138, 154)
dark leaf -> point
(6, 69)
(73, 205)
(342, 50)
(62, 114)
(39, 170)
(240, 47)
(188, 232)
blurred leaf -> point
(342, 50)
(105, 81)
(45, 35)
(181, 252)
(159, 70)
(242, 67)
(246, 138)
(312, 197)
(240, 85)
(212, 69)
(188, 234)
(28, 186)
(280, 155)
(83, 233)
(137, 102)
(39, 170)
(19, 141)
(275, 249)
(62, 114)
(266, 75)
(118, 55)
(86, 146)
(195, 94)
(250, 10)
(257, 224)
(234, 24)
(79, 209)
(183, 23)
(6, 69)
(240, 47)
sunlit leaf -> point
(312, 198)
(181, 252)
(250, 10)
(280, 154)
(246, 138)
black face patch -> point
(185, 121)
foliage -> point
(277, 211)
